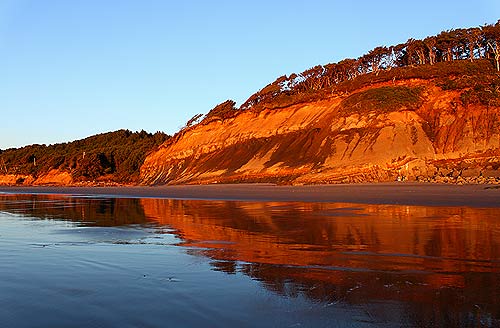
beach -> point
(246, 255)
(424, 194)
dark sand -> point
(377, 193)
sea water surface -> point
(82, 261)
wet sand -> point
(377, 193)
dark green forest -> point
(114, 156)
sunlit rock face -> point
(369, 134)
(53, 177)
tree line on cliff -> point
(114, 156)
(380, 64)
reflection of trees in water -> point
(440, 264)
(89, 211)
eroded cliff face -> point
(342, 138)
(53, 177)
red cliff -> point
(416, 123)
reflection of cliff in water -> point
(440, 265)
(341, 235)
(443, 263)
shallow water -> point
(68, 261)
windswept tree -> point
(416, 52)
(375, 58)
(330, 77)
(444, 44)
(193, 120)
(312, 78)
(430, 43)
(347, 69)
(400, 54)
(473, 36)
(492, 38)
(222, 111)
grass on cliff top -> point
(383, 100)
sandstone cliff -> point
(399, 125)
(53, 177)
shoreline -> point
(405, 193)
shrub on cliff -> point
(222, 111)
(383, 99)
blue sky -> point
(70, 69)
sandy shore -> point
(379, 193)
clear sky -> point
(73, 68)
